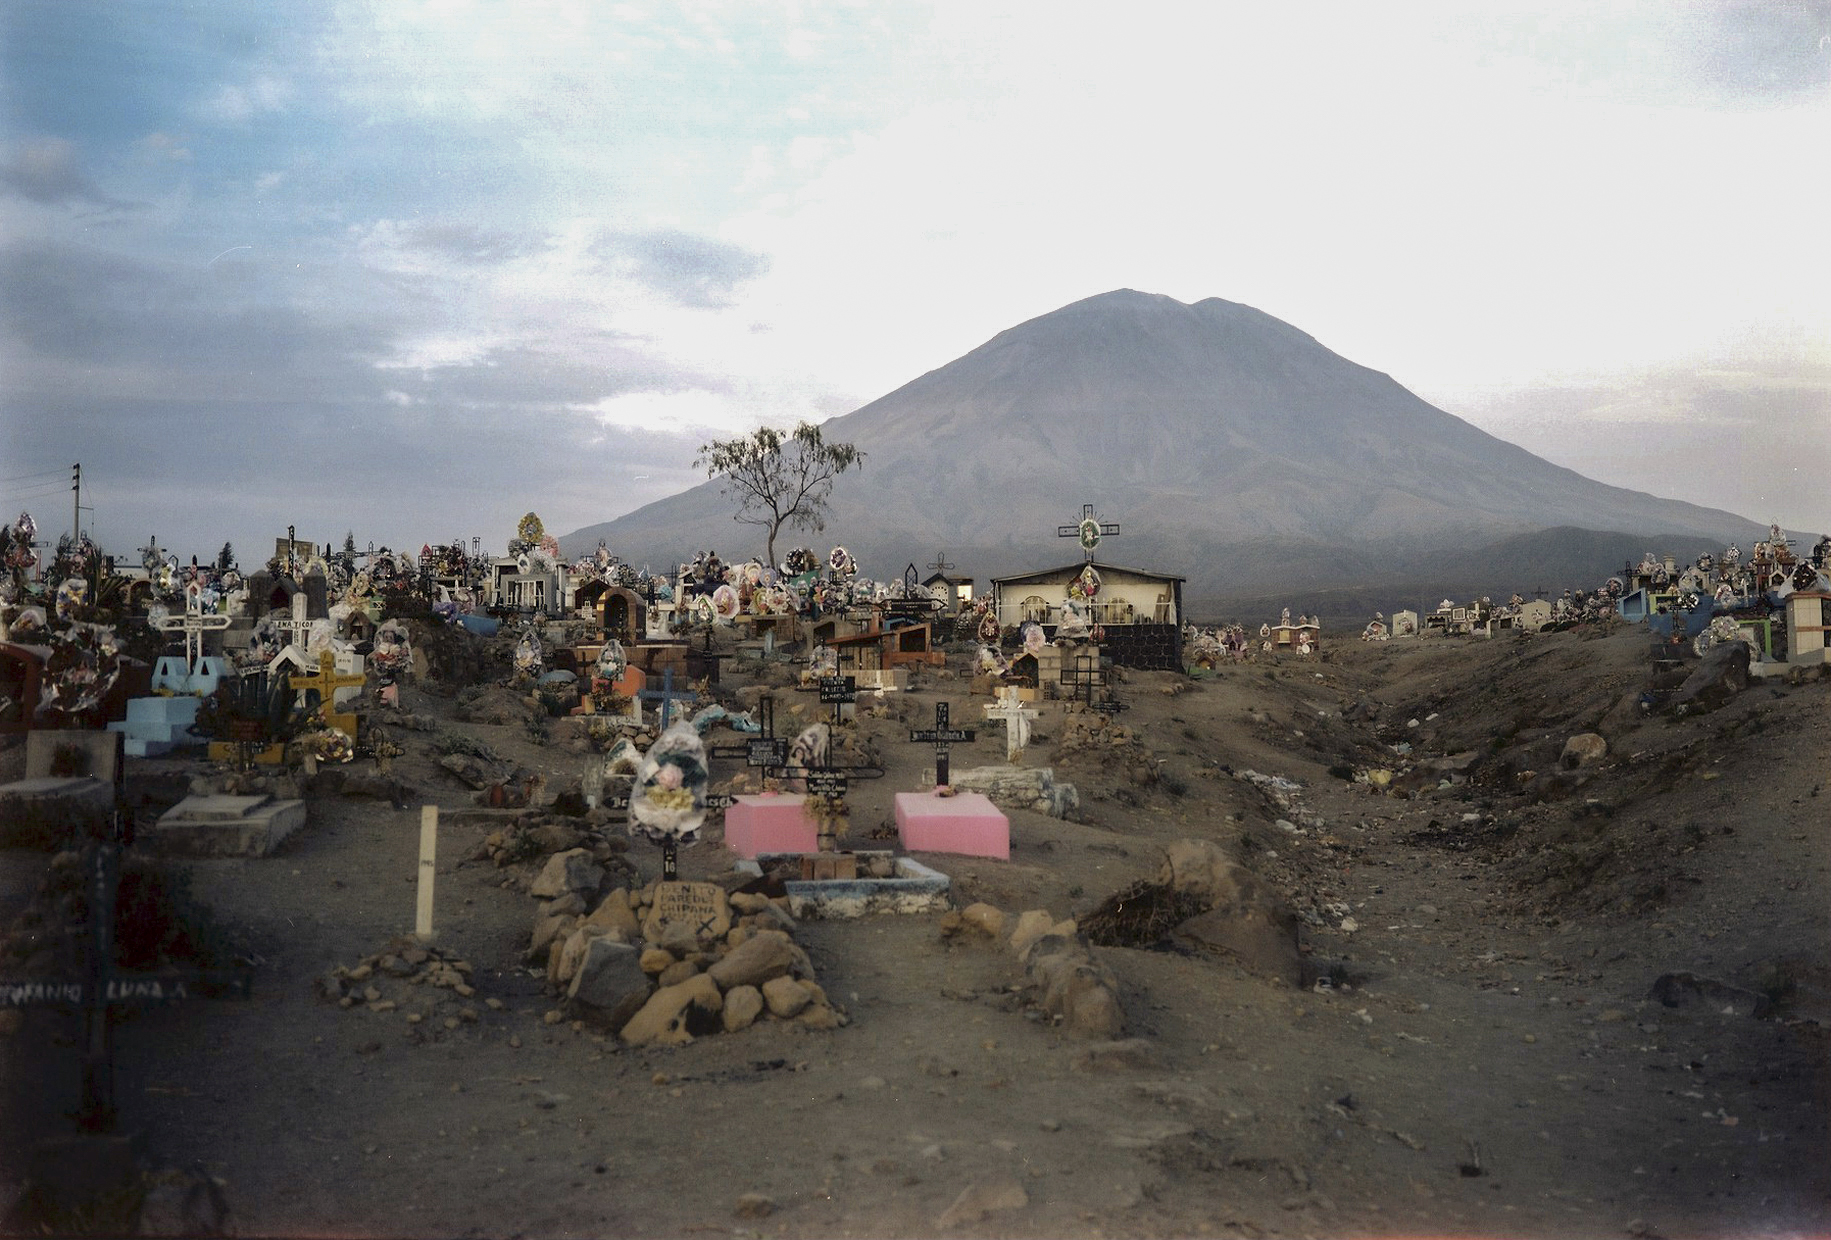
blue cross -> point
(665, 695)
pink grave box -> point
(967, 824)
(767, 824)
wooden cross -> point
(943, 738)
(1089, 531)
(325, 682)
(194, 623)
(101, 986)
(1016, 717)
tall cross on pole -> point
(1088, 532)
(193, 623)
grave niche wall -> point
(1147, 647)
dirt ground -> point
(1477, 1049)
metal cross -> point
(940, 564)
(102, 986)
(943, 738)
(1088, 532)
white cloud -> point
(237, 104)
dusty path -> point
(1490, 1063)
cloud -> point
(689, 270)
(1750, 437)
(45, 170)
(238, 104)
(164, 146)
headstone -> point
(701, 907)
(317, 594)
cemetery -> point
(467, 893)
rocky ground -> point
(1536, 988)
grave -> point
(1808, 619)
(102, 986)
(157, 725)
(225, 826)
(72, 779)
(967, 824)
(755, 825)
(21, 684)
(886, 883)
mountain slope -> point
(1231, 447)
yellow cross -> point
(327, 680)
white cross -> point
(298, 636)
(1016, 717)
(193, 623)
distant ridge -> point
(1231, 447)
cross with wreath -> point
(1088, 532)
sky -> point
(409, 269)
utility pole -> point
(76, 507)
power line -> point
(43, 473)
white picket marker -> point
(429, 850)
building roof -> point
(1076, 567)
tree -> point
(225, 559)
(779, 479)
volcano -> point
(1230, 447)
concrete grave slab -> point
(225, 826)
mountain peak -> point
(1214, 431)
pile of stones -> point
(627, 963)
(536, 835)
(425, 984)
(1066, 982)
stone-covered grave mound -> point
(431, 988)
(668, 962)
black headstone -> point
(317, 596)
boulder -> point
(1076, 988)
(767, 954)
(613, 914)
(1721, 674)
(1243, 918)
(1259, 932)
(668, 1016)
(987, 919)
(743, 1004)
(785, 997)
(679, 971)
(547, 929)
(574, 870)
(1582, 749)
(608, 987)
(1032, 925)
(1204, 870)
